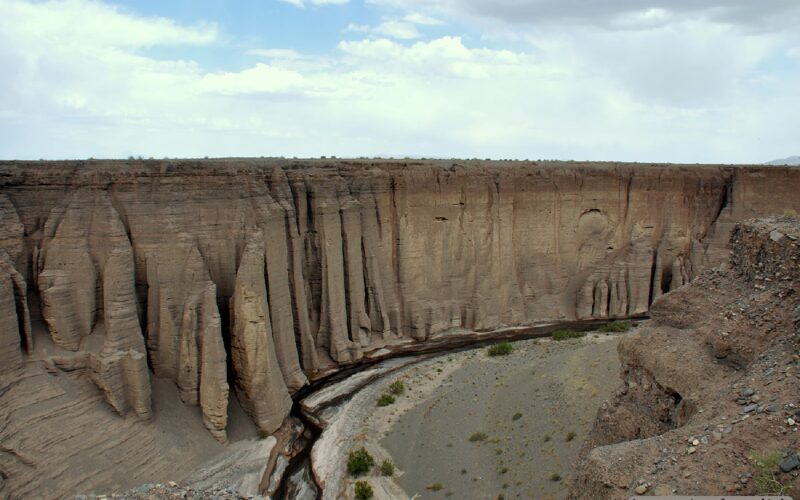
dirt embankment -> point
(709, 403)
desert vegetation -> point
(363, 490)
(765, 477)
(501, 349)
(567, 334)
(386, 399)
(616, 327)
(359, 462)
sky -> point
(707, 81)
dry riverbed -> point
(534, 406)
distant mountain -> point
(792, 160)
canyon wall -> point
(255, 276)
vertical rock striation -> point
(268, 273)
(259, 382)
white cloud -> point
(418, 18)
(275, 53)
(686, 90)
(404, 28)
(261, 78)
(302, 3)
(397, 29)
(766, 16)
(95, 24)
(358, 28)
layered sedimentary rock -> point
(263, 274)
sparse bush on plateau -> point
(501, 349)
(363, 490)
(478, 436)
(359, 462)
(397, 387)
(571, 435)
(387, 468)
(764, 478)
(386, 399)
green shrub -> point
(501, 349)
(570, 436)
(616, 327)
(478, 436)
(567, 334)
(764, 477)
(387, 468)
(385, 399)
(546, 438)
(435, 486)
(517, 416)
(363, 490)
(359, 462)
(555, 476)
(397, 387)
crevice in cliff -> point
(346, 272)
(652, 283)
(396, 254)
(365, 283)
(666, 279)
(725, 201)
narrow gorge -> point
(148, 305)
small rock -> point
(641, 489)
(662, 490)
(776, 235)
(691, 450)
(747, 392)
(749, 409)
(695, 442)
(790, 463)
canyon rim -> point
(212, 289)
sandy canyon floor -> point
(535, 406)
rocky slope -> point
(245, 279)
(710, 383)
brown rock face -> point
(260, 384)
(272, 272)
(711, 378)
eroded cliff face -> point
(263, 274)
